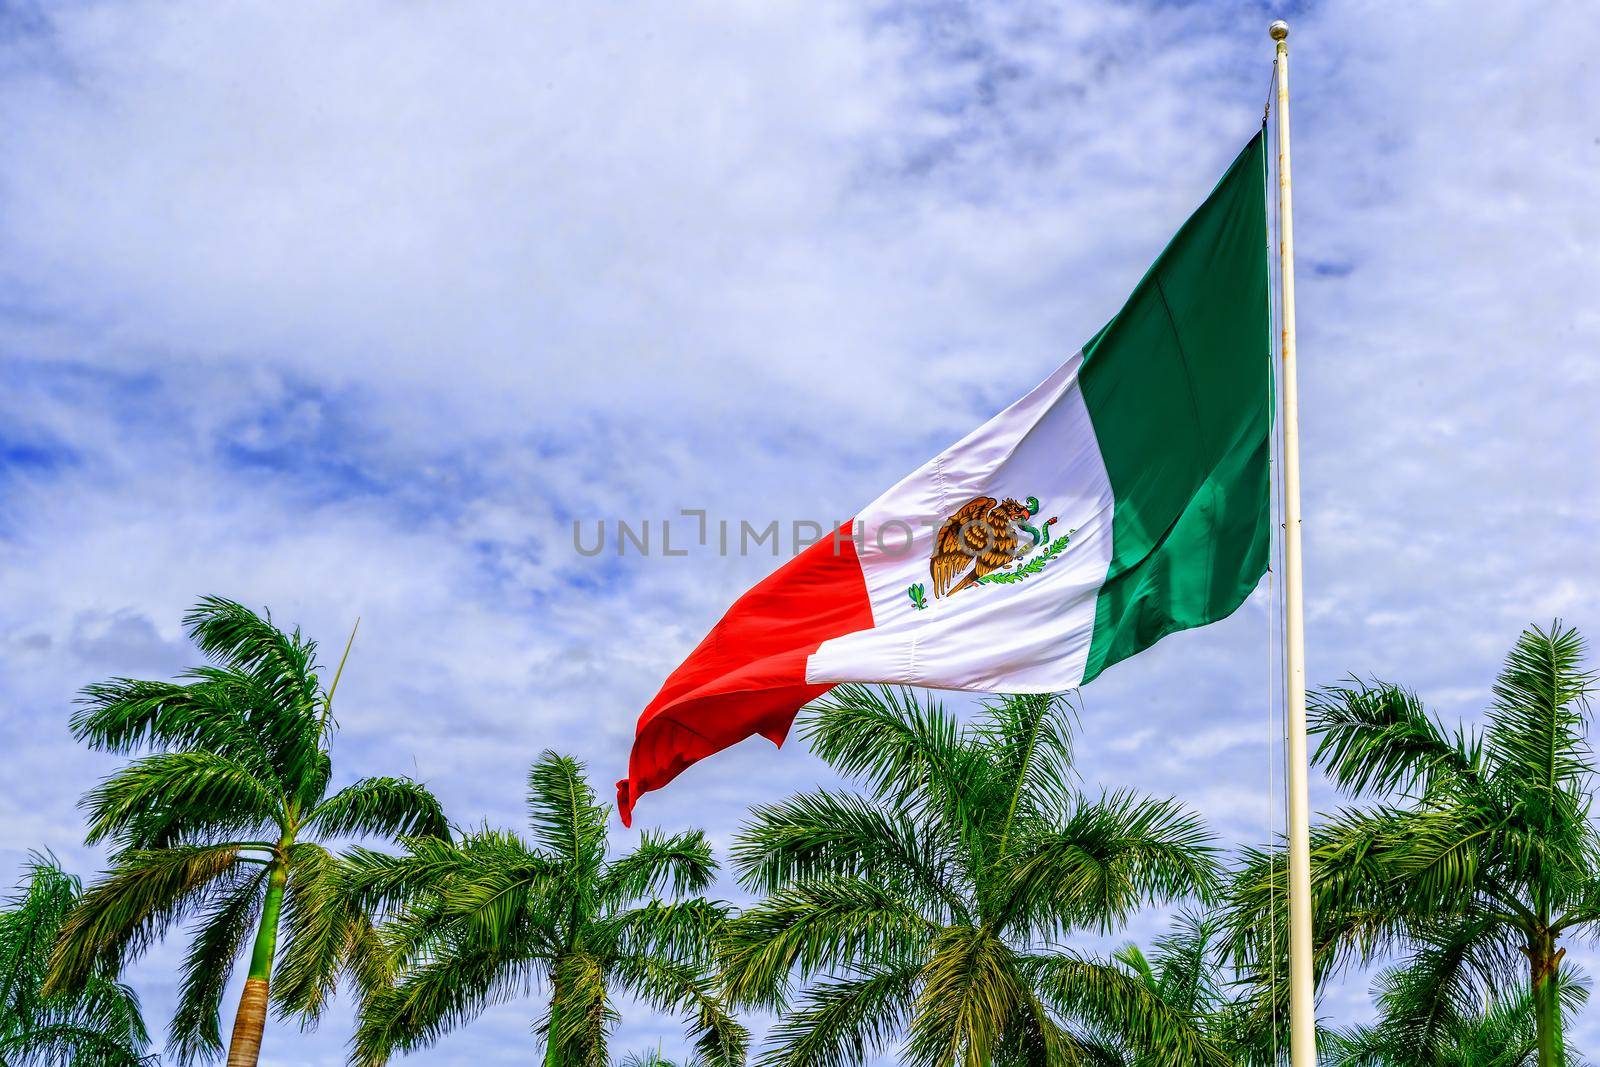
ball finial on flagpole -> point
(1279, 30)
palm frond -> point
(225, 923)
(909, 750)
(312, 770)
(970, 846)
(1110, 857)
(284, 724)
(124, 715)
(677, 988)
(1363, 909)
(818, 926)
(495, 903)
(1133, 959)
(835, 835)
(970, 993)
(449, 990)
(236, 637)
(562, 810)
(1035, 1038)
(1118, 1002)
(380, 807)
(198, 797)
(1460, 964)
(325, 934)
(257, 707)
(29, 927)
(70, 1044)
(488, 892)
(1443, 850)
(1186, 960)
(684, 930)
(673, 863)
(108, 1009)
(1377, 737)
(430, 867)
(96, 1024)
(279, 671)
(142, 895)
(1537, 737)
(652, 1058)
(581, 1012)
(1029, 740)
(1496, 1030)
(844, 1022)
(1358, 1046)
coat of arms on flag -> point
(984, 536)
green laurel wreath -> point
(918, 593)
(1029, 566)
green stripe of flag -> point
(1179, 388)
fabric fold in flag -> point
(1123, 499)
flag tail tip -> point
(625, 800)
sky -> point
(354, 309)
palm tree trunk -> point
(1546, 967)
(244, 1048)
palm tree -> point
(481, 919)
(224, 821)
(96, 1025)
(1478, 855)
(936, 903)
(1492, 1028)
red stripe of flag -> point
(748, 676)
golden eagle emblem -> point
(982, 537)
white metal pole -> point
(1302, 1003)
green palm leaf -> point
(382, 807)
(689, 990)
(844, 1022)
(907, 750)
(237, 637)
(143, 894)
(1031, 739)
(124, 715)
(562, 809)
(688, 930)
(224, 925)
(191, 796)
(1108, 859)
(675, 864)
(433, 998)
(818, 926)
(1127, 1006)
(581, 1012)
(1538, 737)
(971, 993)
(831, 835)
(326, 934)
(1377, 738)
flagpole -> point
(1302, 1004)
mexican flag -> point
(1123, 499)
